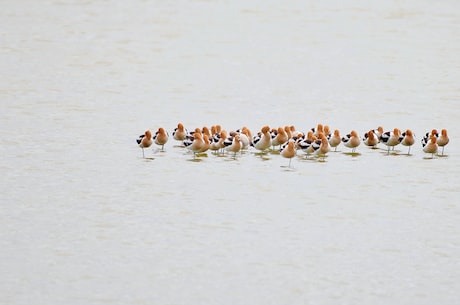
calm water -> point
(84, 219)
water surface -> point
(86, 220)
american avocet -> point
(179, 132)
(295, 134)
(205, 131)
(287, 131)
(280, 138)
(288, 151)
(247, 131)
(229, 139)
(335, 139)
(161, 137)
(391, 138)
(223, 137)
(306, 144)
(217, 141)
(213, 130)
(273, 133)
(351, 140)
(206, 144)
(194, 142)
(234, 145)
(145, 141)
(408, 139)
(317, 130)
(443, 140)
(327, 131)
(371, 139)
(321, 146)
(431, 147)
(297, 139)
(378, 132)
(262, 141)
(245, 137)
(433, 132)
(427, 136)
(190, 136)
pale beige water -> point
(85, 220)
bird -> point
(161, 137)
(195, 142)
(317, 130)
(321, 146)
(245, 137)
(351, 140)
(306, 144)
(215, 130)
(287, 130)
(205, 131)
(335, 139)
(408, 139)
(145, 141)
(179, 132)
(233, 144)
(206, 144)
(431, 147)
(294, 132)
(288, 151)
(217, 140)
(280, 138)
(391, 138)
(378, 132)
(262, 140)
(297, 139)
(371, 139)
(326, 131)
(442, 140)
(427, 136)
(214, 138)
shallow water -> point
(86, 220)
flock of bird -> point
(288, 140)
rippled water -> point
(84, 219)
